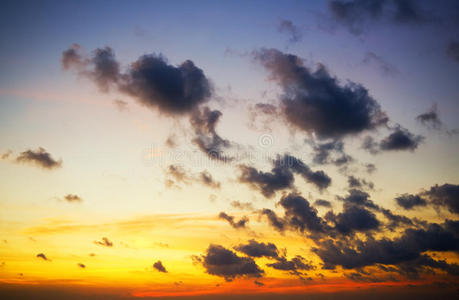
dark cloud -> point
(444, 196)
(106, 70)
(408, 247)
(358, 14)
(281, 176)
(293, 265)
(173, 90)
(321, 202)
(206, 138)
(369, 144)
(180, 175)
(316, 102)
(43, 256)
(430, 118)
(370, 168)
(231, 220)
(267, 182)
(300, 215)
(355, 182)
(408, 201)
(72, 198)
(83, 266)
(207, 179)
(72, 58)
(275, 221)
(453, 50)
(104, 242)
(259, 283)
(425, 264)
(287, 26)
(355, 218)
(159, 267)
(222, 262)
(330, 153)
(40, 158)
(409, 11)
(354, 14)
(360, 198)
(401, 139)
(386, 68)
(317, 178)
(395, 220)
(256, 249)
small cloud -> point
(159, 266)
(430, 119)
(231, 220)
(321, 202)
(104, 242)
(6, 155)
(72, 198)
(121, 105)
(242, 205)
(453, 50)
(287, 26)
(401, 139)
(385, 67)
(81, 265)
(259, 283)
(171, 141)
(43, 256)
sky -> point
(231, 149)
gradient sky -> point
(81, 162)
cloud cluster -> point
(223, 262)
(337, 244)
(151, 80)
(444, 196)
(282, 176)
(404, 249)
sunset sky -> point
(229, 149)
